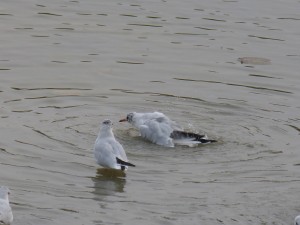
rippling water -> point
(227, 68)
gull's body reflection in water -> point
(108, 182)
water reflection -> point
(108, 182)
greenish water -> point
(65, 66)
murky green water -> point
(65, 66)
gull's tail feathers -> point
(182, 136)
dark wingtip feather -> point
(207, 141)
(177, 135)
(123, 163)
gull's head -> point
(297, 220)
(129, 118)
(4, 192)
(105, 129)
(107, 124)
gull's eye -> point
(129, 117)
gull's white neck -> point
(105, 132)
(4, 198)
(138, 119)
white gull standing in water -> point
(159, 129)
(108, 151)
(6, 216)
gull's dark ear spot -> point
(107, 122)
(129, 117)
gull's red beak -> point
(123, 120)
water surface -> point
(65, 66)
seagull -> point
(108, 151)
(297, 220)
(159, 129)
(6, 216)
